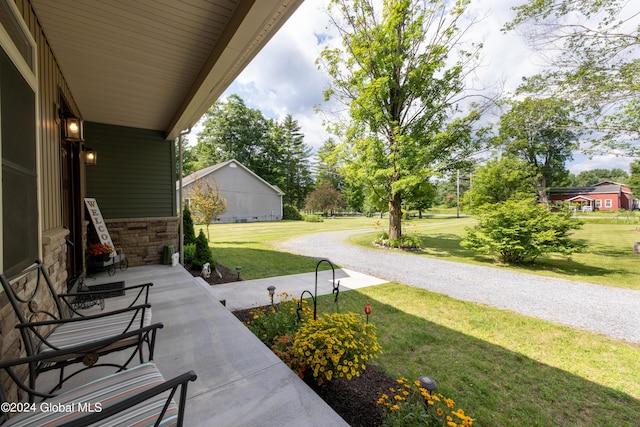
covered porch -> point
(240, 381)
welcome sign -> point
(98, 221)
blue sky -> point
(283, 78)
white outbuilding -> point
(249, 197)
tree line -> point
(274, 150)
(415, 132)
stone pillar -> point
(143, 239)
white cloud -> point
(610, 161)
(283, 78)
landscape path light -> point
(272, 290)
(428, 383)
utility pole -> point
(458, 193)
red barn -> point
(605, 196)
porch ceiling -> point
(155, 64)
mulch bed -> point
(219, 275)
(355, 399)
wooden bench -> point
(48, 325)
(137, 396)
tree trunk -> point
(395, 216)
(541, 187)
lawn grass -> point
(609, 261)
(502, 368)
(250, 245)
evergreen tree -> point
(187, 226)
(203, 251)
(295, 162)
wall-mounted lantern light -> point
(90, 156)
(73, 129)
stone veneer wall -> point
(54, 252)
(143, 239)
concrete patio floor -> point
(240, 381)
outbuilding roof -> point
(210, 169)
(604, 187)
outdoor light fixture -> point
(428, 383)
(90, 156)
(272, 290)
(73, 129)
(238, 270)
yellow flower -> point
(394, 408)
(450, 403)
(439, 412)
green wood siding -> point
(134, 176)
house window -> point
(18, 145)
(16, 30)
(608, 203)
(598, 204)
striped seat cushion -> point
(103, 393)
(87, 331)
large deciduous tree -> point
(231, 131)
(593, 49)
(594, 176)
(538, 131)
(398, 74)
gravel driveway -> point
(611, 311)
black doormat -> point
(117, 289)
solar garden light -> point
(272, 290)
(238, 270)
(428, 383)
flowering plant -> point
(410, 404)
(269, 323)
(99, 249)
(283, 348)
(336, 345)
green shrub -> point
(268, 323)
(336, 345)
(405, 242)
(519, 230)
(291, 212)
(203, 251)
(189, 253)
(187, 226)
(312, 218)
